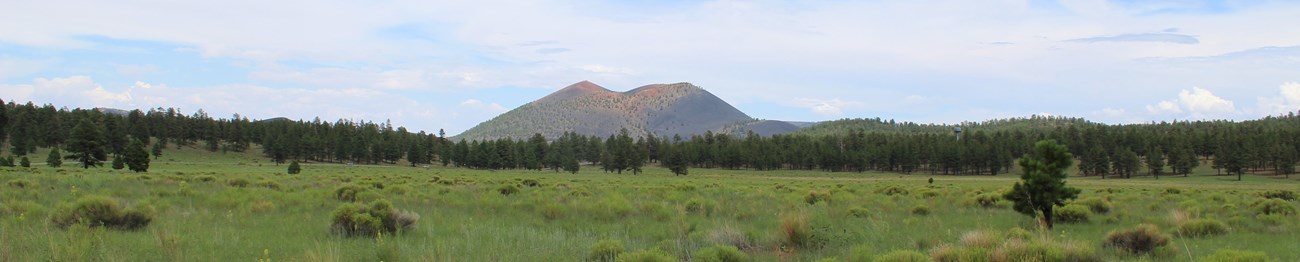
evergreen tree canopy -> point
(86, 145)
(1042, 185)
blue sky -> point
(428, 65)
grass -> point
(548, 216)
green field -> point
(202, 214)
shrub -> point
(205, 178)
(353, 219)
(721, 253)
(101, 211)
(1072, 213)
(653, 255)
(1229, 255)
(1172, 191)
(1042, 249)
(817, 196)
(508, 189)
(1202, 228)
(859, 212)
(531, 183)
(270, 184)
(348, 192)
(727, 235)
(1139, 240)
(1273, 206)
(699, 206)
(238, 182)
(988, 200)
(21, 183)
(903, 256)
(294, 168)
(1279, 194)
(552, 211)
(605, 250)
(921, 210)
(861, 253)
(892, 190)
(262, 206)
(1097, 205)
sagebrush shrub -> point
(1097, 205)
(1072, 213)
(1279, 194)
(817, 196)
(652, 255)
(1139, 240)
(859, 212)
(988, 200)
(1202, 228)
(721, 253)
(921, 210)
(531, 183)
(21, 183)
(1273, 206)
(508, 189)
(348, 192)
(605, 250)
(354, 219)
(699, 206)
(892, 190)
(101, 211)
(238, 182)
(269, 184)
(205, 178)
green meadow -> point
(240, 207)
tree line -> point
(1267, 145)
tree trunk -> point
(1047, 216)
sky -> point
(430, 65)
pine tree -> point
(86, 145)
(24, 162)
(158, 149)
(294, 169)
(1042, 185)
(54, 160)
(1155, 161)
(136, 158)
(118, 164)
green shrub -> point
(653, 255)
(1273, 206)
(531, 183)
(1072, 213)
(903, 256)
(1172, 191)
(270, 184)
(1229, 255)
(817, 196)
(348, 192)
(605, 250)
(921, 210)
(238, 182)
(21, 183)
(101, 211)
(699, 206)
(1139, 240)
(205, 178)
(552, 211)
(988, 200)
(508, 189)
(859, 212)
(1097, 205)
(1202, 228)
(721, 253)
(354, 219)
(294, 168)
(892, 190)
(1041, 249)
(1279, 194)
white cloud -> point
(1287, 101)
(602, 69)
(475, 104)
(826, 107)
(1203, 101)
(1165, 107)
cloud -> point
(1144, 37)
(1287, 101)
(476, 104)
(552, 50)
(1197, 103)
(827, 107)
(602, 69)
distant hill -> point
(589, 109)
(113, 111)
(760, 127)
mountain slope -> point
(589, 109)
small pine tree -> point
(117, 163)
(24, 162)
(136, 158)
(55, 159)
(294, 168)
(7, 161)
(157, 148)
(1042, 185)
